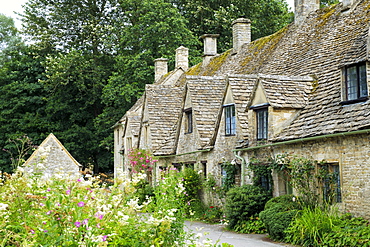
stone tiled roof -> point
(241, 88)
(287, 92)
(206, 94)
(164, 105)
(329, 39)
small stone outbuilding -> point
(50, 158)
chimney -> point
(160, 68)
(347, 3)
(210, 47)
(241, 33)
(182, 58)
(302, 8)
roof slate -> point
(207, 95)
(164, 105)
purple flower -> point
(48, 190)
(105, 238)
(41, 204)
(45, 230)
(32, 231)
(68, 192)
(99, 215)
(77, 224)
(81, 204)
(85, 221)
(48, 212)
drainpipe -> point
(244, 164)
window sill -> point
(231, 135)
(348, 102)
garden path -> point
(218, 234)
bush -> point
(318, 227)
(311, 226)
(254, 225)
(278, 214)
(244, 202)
(66, 211)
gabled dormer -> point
(275, 103)
(201, 110)
(160, 120)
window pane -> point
(352, 83)
(262, 124)
(363, 81)
(230, 121)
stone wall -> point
(352, 153)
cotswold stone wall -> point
(353, 156)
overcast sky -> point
(8, 7)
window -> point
(262, 123)
(330, 181)
(355, 82)
(230, 124)
(189, 120)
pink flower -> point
(32, 231)
(85, 221)
(105, 238)
(68, 192)
(147, 161)
(81, 204)
(77, 224)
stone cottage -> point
(303, 90)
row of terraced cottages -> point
(303, 90)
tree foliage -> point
(89, 61)
(216, 16)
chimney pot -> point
(182, 58)
(160, 68)
(241, 33)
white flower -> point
(3, 206)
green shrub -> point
(350, 232)
(212, 214)
(244, 202)
(311, 226)
(278, 214)
(253, 225)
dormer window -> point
(230, 124)
(188, 120)
(262, 123)
(261, 120)
(355, 83)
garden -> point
(89, 211)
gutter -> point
(174, 155)
(306, 139)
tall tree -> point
(22, 101)
(76, 38)
(216, 16)
(152, 29)
(99, 57)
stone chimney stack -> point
(210, 47)
(160, 68)
(302, 8)
(182, 58)
(347, 3)
(241, 33)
